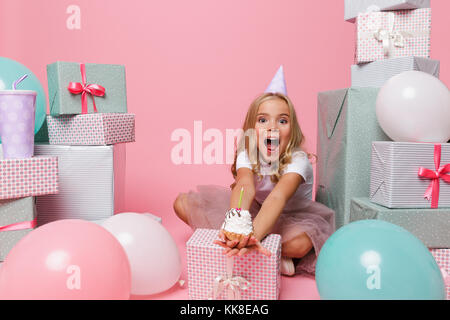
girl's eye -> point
(283, 121)
(261, 120)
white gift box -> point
(91, 182)
(354, 7)
(404, 174)
(376, 73)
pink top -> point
(300, 164)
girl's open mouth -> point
(272, 144)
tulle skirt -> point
(207, 206)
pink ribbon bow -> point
(234, 285)
(84, 89)
(19, 226)
(440, 173)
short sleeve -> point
(300, 164)
(242, 161)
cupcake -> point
(238, 224)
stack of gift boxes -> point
(361, 173)
(88, 127)
(23, 176)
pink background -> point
(196, 60)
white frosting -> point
(239, 222)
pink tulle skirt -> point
(207, 206)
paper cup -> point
(17, 113)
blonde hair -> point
(248, 140)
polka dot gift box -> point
(442, 257)
(211, 275)
(28, 177)
(385, 35)
(91, 129)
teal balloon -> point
(10, 71)
(377, 260)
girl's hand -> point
(240, 248)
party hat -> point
(278, 84)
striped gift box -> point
(206, 264)
(384, 35)
(375, 74)
(395, 180)
(28, 177)
(91, 182)
(442, 257)
(91, 129)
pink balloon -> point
(66, 259)
(152, 252)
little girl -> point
(277, 178)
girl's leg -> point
(297, 247)
(179, 207)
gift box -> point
(354, 7)
(347, 125)
(212, 275)
(431, 226)
(75, 88)
(28, 177)
(91, 182)
(375, 74)
(91, 129)
(410, 175)
(17, 219)
(442, 257)
(385, 35)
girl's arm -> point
(274, 204)
(244, 179)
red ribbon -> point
(84, 89)
(19, 226)
(440, 173)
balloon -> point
(10, 71)
(372, 259)
(66, 259)
(414, 106)
(152, 252)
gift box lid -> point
(354, 7)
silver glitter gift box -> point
(347, 125)
(431, 226)
(110, 76)
(17, 218)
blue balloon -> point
(10, 71)
(377, 260)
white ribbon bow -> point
(234, 285)
(391, 38)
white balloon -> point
(152, 252)
(414, 106)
